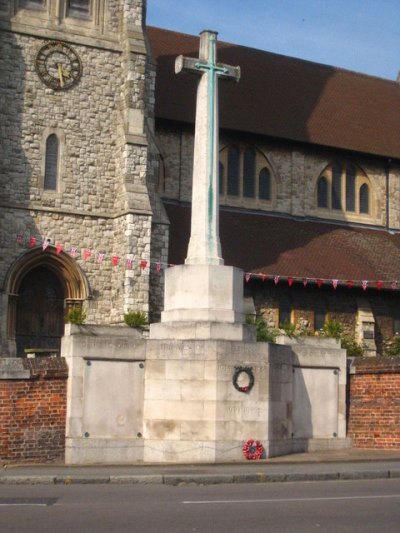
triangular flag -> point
(19, 239)
(72, 252)
(319, 283)
(305, 281)
(100, 257)
(334, 283)
(349, 284)
(115, 260)
(45, 244)
(129, 262)
(276, 280)
(379, 285)
(247, 277)
(394, 285)
(59, 248)
(364, 284)
(290, 281)
(143, 264)
(263, 276)
(32, 242)
(158, 266)
(86, 254)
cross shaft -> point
(204, 244)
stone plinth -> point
(192, 411)
(203, 302)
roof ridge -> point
(278, 54)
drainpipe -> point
(387, 170)
(180, 164)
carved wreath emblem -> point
(239, 370)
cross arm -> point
(186, 63)
(195, 66)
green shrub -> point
(333, 328)
(354, 349)
(136, 319)
(264, 333)
(289, 329)
(76, 316)
(394, 350)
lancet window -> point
(344, 187)
(244, 175)
(51, 163)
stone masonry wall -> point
(106, 199)
(374, 403)
(33, 413)
(295, 171)
(341, 304)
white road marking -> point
(24, 505)
(277, 500)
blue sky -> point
(359, 35)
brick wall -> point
(374, 403)
(33, 411)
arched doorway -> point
(40, 311)
(41, 287)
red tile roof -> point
(286, 247)
(283, 97)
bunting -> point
(86, 254)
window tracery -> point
(244, 175)
(343, 186)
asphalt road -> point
(337, 506)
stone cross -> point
(204, 245)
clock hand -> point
(60, 74)
(66, 73)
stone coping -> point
(17, 368)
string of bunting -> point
(364, 283)
(87, 254)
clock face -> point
(58, 65)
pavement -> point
(312, 466)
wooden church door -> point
(40, 311)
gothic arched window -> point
(336, 186)
(245, 177)
(233, 171)
(350, 188)
(264, 184)
(322, 194)
(343, 186)
(51, 163)
(364, 199)
(249, 168)
(221, 178)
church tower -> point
(78, 201)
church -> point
(97, 139)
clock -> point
(58, 65)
